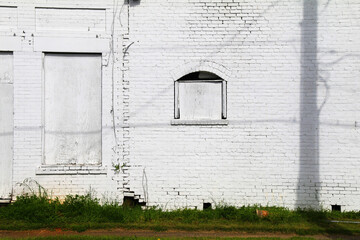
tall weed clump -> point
(73, 209)
(81, 208)
(32, 208)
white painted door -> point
(6, 126)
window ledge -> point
(199, 122)
(70, 170)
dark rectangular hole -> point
(206, 206)
(132, 202)
(336, 208)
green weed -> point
(85, 212)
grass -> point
(152, 238)
(80, 213)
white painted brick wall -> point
(31, 22)
(291, 140)
(258, 158)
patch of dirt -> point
(148, 233)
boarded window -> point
(200, 100)
(200, 96)
(72, 109)
(6, 124)
(6, 67)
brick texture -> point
(292, 71)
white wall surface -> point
(29, 22)
(292, 70)
(65, 19)
(8, 17)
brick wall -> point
(292, 100)
(292, 71)
(77, 22)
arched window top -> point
(201, 75)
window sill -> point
(221, 122)
(70, 170)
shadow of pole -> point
(309, 172)
(308, 179)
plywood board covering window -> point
(72, 109)
(200, 100)
(6, 124)
(6, 67)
